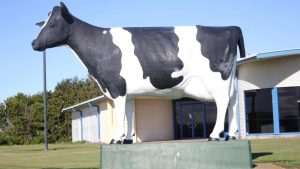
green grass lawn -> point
(283, 152)
(84, 156)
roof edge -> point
(268, 55)
(99, 98)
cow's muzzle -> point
(35, 45)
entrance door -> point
(192, 119)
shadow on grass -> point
(256, 155)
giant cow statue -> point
(166, 62)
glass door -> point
(199, 120)
(192, 120)
(186, 115)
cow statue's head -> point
(55, 31)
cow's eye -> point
(52, 25)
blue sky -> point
(267, 26)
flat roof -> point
(268, 55)
(91, 101)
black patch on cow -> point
(100, 55)
(219, 46)
(157, 51)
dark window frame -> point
(295, 104)
(275, 113)
(259, 121)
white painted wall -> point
(76, 130)
(89, 125)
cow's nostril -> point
(33, 43)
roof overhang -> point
(268, 55)
(88, 102)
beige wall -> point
(154, 120)
(106, 121)
(269, 73)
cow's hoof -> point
(230, 138)
(113, 141)
(213, 139)
(127, 141)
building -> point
(269, 94)
(268, 87)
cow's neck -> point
(95, 48)
(84, 39)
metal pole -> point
(45, 102)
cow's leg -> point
(222, 104)
(232, 120)
(119, 103)
(129, 119)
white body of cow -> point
(199, 81)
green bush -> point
(21, 119)
(3, 139)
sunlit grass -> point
(58, 156)
(283, 152)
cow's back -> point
(156, 49)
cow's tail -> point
(241, 42)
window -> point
(259, 111)
(289, 109)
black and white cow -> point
(165, 62)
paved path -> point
(266, 166)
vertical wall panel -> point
(154, 120)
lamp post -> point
(40, 24)
(45, 102)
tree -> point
(3, 121)
(21, 120)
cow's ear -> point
(65, 13)
(40, 24)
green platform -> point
(177, 155)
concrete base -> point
(177, 155)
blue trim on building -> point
(236, 85)
(276, 124)
(260, 134)
(204, 121)
(174, 118)
(272, 134)
(267, 55)
(290, 133)
(278, 53)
